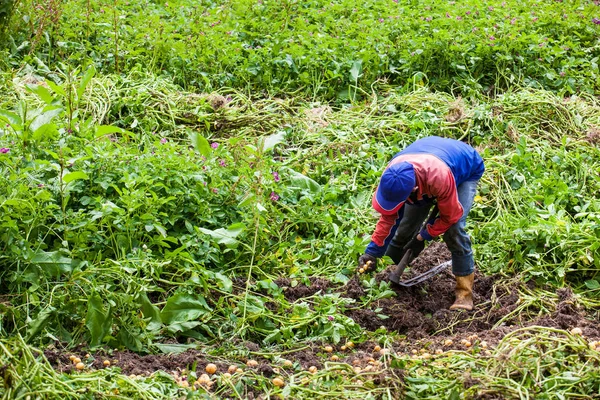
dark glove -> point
(366, 263)
(416, 246)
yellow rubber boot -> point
(464, 293)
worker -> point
(432, 169)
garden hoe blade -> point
(425, 275)
(395, 275)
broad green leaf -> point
(128, 339)
(271, 141)
(97, 320)
(303, 181)
(592, 284)
(150, 311)
(42, 92)
(168, 348)
(200, 143)
(177, 327)
(87, 76)
(102, 130)
(454, 395)
(355, 71)
(71, 176)
(35, 326)
(56, 88)
(273, 337)
(161, 230)
(47, 131)
(52, 262)
(247, 200)
(183, 307)
(10, 117)
(225, 236)
(336, 336)
(225, 283)
(44, 118)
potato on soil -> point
(232, 369)
(377, 348)
(328, 349)
(278, 382)
(287, 363)
(252, 363)
(204, 380)
(576, 331)
(80, 365)
(312, 369)
(211, 368)
(106, 363)
(76, 360)
(334, 358)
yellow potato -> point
(211, 368)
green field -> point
(189, 183)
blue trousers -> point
(456, 238)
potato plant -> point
(185, 188)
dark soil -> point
(301, 290)
(421, 312)
(136, 364)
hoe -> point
(396, 274)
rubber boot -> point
(464, 293)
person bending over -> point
(432, 169)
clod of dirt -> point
(593, 135)
(266, 370)
(293, 293)
(353, 289)
(252, 346)
(456, 112)
(217, 101)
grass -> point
(163, 199)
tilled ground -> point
(419, 313)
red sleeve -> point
(450, 209)
(385, 227)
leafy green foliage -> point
(332, 50)
(139, 213)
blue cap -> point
(396, 184)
